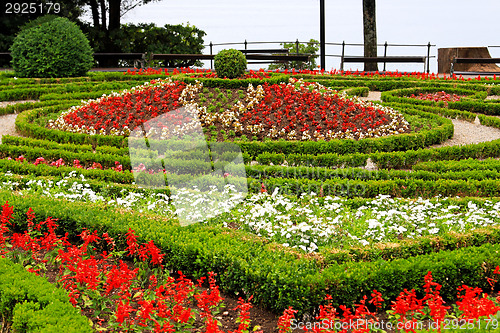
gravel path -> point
(8, 122)
(464, 131)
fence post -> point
(385, 53)
(342, 57)
(297, 46)
(246, 44)
(211, 60)
(428, 56)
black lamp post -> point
(322, 32)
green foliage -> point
(32, 304)
(56, 48)
(310, 47)
(170, 39)
(279, 278)
(230, 63)
(38, 22)
(149, 38)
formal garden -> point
(332, 212)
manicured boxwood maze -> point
(320, 187)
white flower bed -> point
(307, 223)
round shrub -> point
(230, 63)
(57, 48)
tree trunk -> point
(114, 14)
(104, 25)
(370, 33)
(95, 13)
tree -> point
(105, 32)
(370, 33)
(14, 14)
(310, 47)
(106, 14)
(148, 38)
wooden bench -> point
(249, 55)
(391, 59)
(473, 61)
(138, 58)
(5, 56)
(265, 52)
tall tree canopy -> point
(106, 14)
(369, 33)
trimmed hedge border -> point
(273, 274)
(33, 304)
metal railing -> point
(343, 46)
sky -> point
(444, 23)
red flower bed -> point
(438, 97)
(60, 163)
(293, 71)
(307, 113)
(207, 73)
(122, 296)
(119, 114)
(294, 111)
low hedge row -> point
(125, 177)
(30, 142)
(406, 160)
(468, 105)
(403, 95)
(86, 158)
(32, 304)
(276, 276)
(320, 160)
(487, 108)
(10, 79)
(377, 83)
(444, 112)
(45, 144)
(357, 91)
(25, 126)
(346, 183)
(317, 173)
(19, 107)
(407, 188)
(408, 248)
(242, 83)
(385, 160)
(74, 95)
(465, 164)
(144, 179)
(13, 93)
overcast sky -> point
(445, 23)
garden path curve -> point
(464, 131)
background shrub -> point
(230, 63)
(56, 48)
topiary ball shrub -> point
(230, 63)
(57, 48)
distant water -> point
(445, 23)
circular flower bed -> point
(293, 111)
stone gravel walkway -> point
(464, 131)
